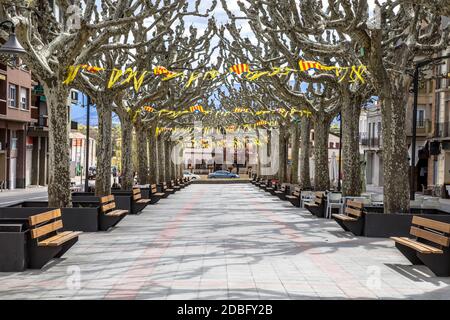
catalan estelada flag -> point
(240, 68)
(196, 109)
(160, 70)
(91, 69)
(306, 65)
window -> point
(24, 101)
(13, 95)
(331, 145)
(420, 118)
(338, 145)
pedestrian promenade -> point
(229, 241)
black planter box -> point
(384, 225)
(13, 245)
(74, 219)
(122, 198)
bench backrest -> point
(107, 203)
(153, 188)
(164, 186)
(283, 187)
(46, 223)
(319, 197)
(172, 183)
(431, 230)
(297, 191)
(137, 194)
(354, 208)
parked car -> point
(187, 174)
(222, 174)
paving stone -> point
(227, 242)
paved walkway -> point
(226, 242)
(8, 197)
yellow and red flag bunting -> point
(196, 109)
(91, 69)
(241, 110)
(240, 68)
(160, 70)
(261, 123)
(306, 65)
(149, 109)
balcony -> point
(443, 129)
(370, 142)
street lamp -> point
(12, 46)
(86, 181)
(419, 65)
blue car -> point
(221, 174)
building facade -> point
(371, 144)
(16, 148)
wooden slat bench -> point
(317, 206)
(138, 197)
(154, 194)
(352, 218)
(262, 183)
(294, 198)
(174, 186)
(109, 214)
(430, 245)
(274, 186)
(282, 191)
(47, 242)
(166, 189)
(108, 207)
(180, 183)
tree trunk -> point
(351, 171)
(104, 148)
(305, 131)
(126, 160)
(282, 155)
(161, 159)
(258, 153)
(153, 158)
(167, 159)
(394, 92)
(395, 152)
(321, 172)
(141, 146)
(59, 195)
(295, 135)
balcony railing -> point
(368, 141)
(443, 129)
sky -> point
(78, 113)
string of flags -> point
(218, 131)
(198, 109)
(353, 73)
